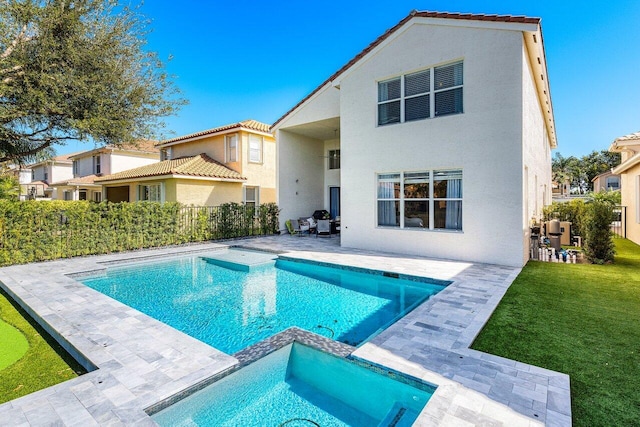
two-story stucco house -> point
(444, 126)
(89, 165)
(629, 170)
(231, 163)
(48, 171)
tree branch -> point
(14, 43)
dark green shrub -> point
(599, 247)
(36, 231)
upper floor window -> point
(231, 148)
(334, 159)
(425, 94)
(46, 174)
(33, 175)
(255, 149)
(97, 169)
(75, 168)
(165, 154)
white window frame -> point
(256, 201)
(431, 200)
(334, 160)
(231, 151)
(97, 167)
(255, 153)
(67, 195)
(431, 93)
(75, 168)
(150, 190)
(97, 196)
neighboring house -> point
(22, 174)
(48, 171)
(606, 181)
(444, 127)
(629, 170)
(232, 163)
(89, 165)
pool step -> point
(399, 416)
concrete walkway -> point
(137, 362)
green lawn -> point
(583, 320)
(43, 364)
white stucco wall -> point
(85, 166)
(536, 155)
(485, 142)
(122, 162)
(300, 174)
(60, 172)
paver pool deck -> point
(137, 362)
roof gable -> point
(515, 23)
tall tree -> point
(579, 172)
(77, 70)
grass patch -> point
(13, 345)
(45, 363)
(582, 320)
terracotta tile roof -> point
(143, 145)
(247, 124)
(197, 166)
(84, 180)
(420, 14)
(63, 158)
(631, 137)
(37, 183)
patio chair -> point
(323, 228)
(299, 228)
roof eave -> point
(169, 176)
(626, 165)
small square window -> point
(334, 159)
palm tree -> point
(563, 171)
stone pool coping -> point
(141, 362)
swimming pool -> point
(231, 308)
(301, 386)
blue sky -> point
(236, 60)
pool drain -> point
(299, 419)
(328, 328)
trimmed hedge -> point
(37, 231)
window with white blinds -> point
(425, 94)
(231, 148)
(255, 149)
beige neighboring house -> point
(606, 181)
(46, 172)
(87, 166)
(629, 170)
(231, 163)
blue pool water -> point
(301, 386)
(230, 309)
